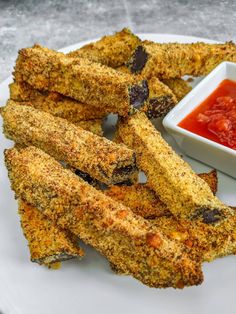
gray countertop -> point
(57, 23)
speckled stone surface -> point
(60, 23)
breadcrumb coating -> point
(59, 106)
(144, 202)
(140, 198)
(208, 241)
(55, 103)
(178, 86)
(104, 160)
(93, 126)
(186, 195)
(47, 243)
(88, 82)
(112, 50)
(175, 60)
(211, 179)
(127, 240)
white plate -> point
(89, 286)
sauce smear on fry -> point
(215, 117)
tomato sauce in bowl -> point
(215, 117)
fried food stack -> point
(71, 183)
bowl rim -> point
(170, 123)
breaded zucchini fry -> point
(178, 86)
(208, 241)
(54, 103)
(112, 50)
(127, 240)
(144, 202)
(88, 82)
(88, 118)
(47, 243)
(161, 98)
(115, 51)
(102, 159)
(175, 60)
(186, 195)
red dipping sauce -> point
(215, 117)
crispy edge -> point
(174, 60)
(112, 50)
(186, 195)
(102, 159)
(210, 242)
(47, 243)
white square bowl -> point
(196, 146)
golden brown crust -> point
(127, 240)
(88, 82)
(102, 159)
(112, 50)
(59, 106)
(178, 86)
(207, 241)
(175, 60)
(115, 51)
(47, 243)
(144, 202)
(54, 103)
(93, 126)
(185, 194)
(140, 198)
(211, 179)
